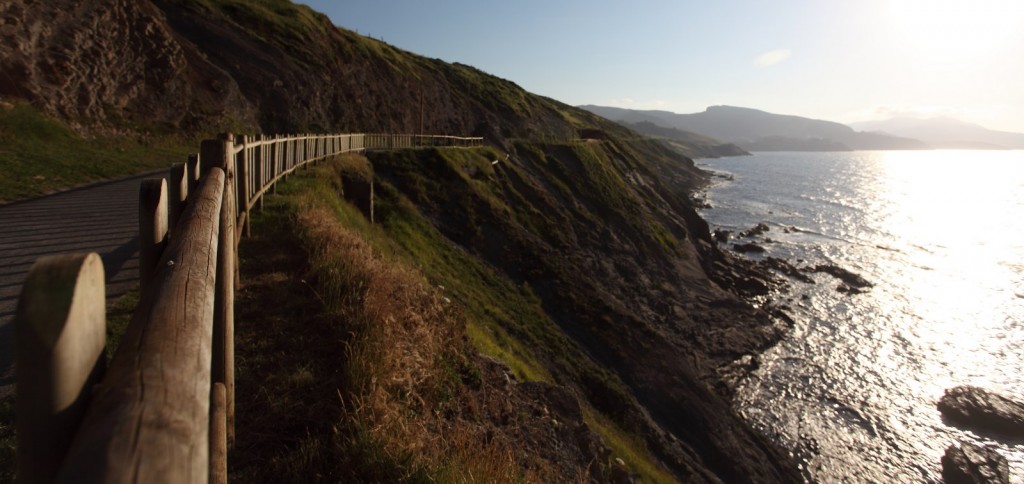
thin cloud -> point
(772, 57)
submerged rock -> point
(969, 464)
(980, 409)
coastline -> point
(853, 393)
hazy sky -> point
(841, 60)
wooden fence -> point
(163, 409)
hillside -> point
(946, 133)
(689, 144)
(756, 130)
(580, 263)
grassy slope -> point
(40, 154)
(504, 320)
(508, 320)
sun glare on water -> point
(956, 216)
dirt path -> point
(101, 218)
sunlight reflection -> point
(953, 213)
(938, 233)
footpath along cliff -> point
(599, 229)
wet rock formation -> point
(979, 409)
(851, 279)
(972, 464)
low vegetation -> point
(385, 382)
(41, 154)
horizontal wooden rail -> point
(164, 411)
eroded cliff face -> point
(166, 65)
(111, 64)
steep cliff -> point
(641, 313)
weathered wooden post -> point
(223, 328)
(177, 193)
(262, 154)
(243, 179)
(218, 435)
(278, 150)
(223, 366)
(152, 228)
(60, 332)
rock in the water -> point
(851, 279)
(980, 409)
(969, 464)
(755, 230)
(721, 236)
(786, 268)
(843, 288)
(748, 247)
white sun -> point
(955, 29)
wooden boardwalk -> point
(98, 218)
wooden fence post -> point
(278, 149)
(223, 365)
(177, 193)
(244, 182)
(258, 171)
(192, 167)
(60, 331)
(152, 228)
(218, 435)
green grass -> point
(626, 446)
(41, 155)
(405, 237)
(504, 320)
(119, 315)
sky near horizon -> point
(837, 60)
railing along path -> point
(163, 409)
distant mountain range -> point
(755, 130)
(943, 132)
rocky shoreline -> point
(992, 416)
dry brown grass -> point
(411, 402)
(353, 367)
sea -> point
(851, 391)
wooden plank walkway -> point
(97, 218)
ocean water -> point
(852, 389)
